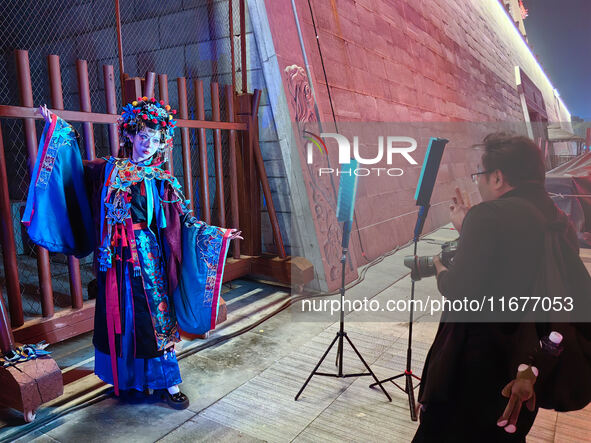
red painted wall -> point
(410, 61)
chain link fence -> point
(188, 38)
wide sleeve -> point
(57, 214)
(197, 297)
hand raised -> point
(45, 113)
(236, 234)
(459, 208)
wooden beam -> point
(107, 119)
(63, 325)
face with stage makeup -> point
(145, 130)
(146, 143)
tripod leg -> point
(368, 368)
(386, 380)
(411, 397)
(317, 366)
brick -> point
(352, 32)
(346, 9)
(333, 48)
(344, 104)
(271, 150)
(338, 76)
(375, 65)
(186, 27)
(151, 8)
(169, 61)
(367, 107)
(95, 45)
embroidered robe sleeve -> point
(57, 214)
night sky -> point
(559, 32)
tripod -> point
(340, 337)
(409, 387)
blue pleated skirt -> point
(137, 373)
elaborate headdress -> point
(150, 113)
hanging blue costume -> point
(150, 254)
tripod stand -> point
(340, 337)
(407, 374)
(423, 198)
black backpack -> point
(564, 383)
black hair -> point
(516, 156)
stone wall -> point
(409, 61)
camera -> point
(421, 267)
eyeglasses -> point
(476, 174)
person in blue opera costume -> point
(130, 212)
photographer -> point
(473, 383)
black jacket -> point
(499, 254)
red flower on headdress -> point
(174, 111)
(139, 99)
(136, 111)
(162, 102)
(125, 125)
(163, 123)
(153, 99)
(145, 117)
(154, 120)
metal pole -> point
(120, 51)
(243, 46)
(232, 50)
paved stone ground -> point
(243, 389)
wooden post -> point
(258, 156)
(217, 145)
(133, 89)
(57, 102)
(111, 101)
(13, 291)
(84, 91)
(184, 114)
(202, 142)
(26, 99)
(229, 90)
(249, 194)
(6, 337)
(163, 93)
(149, 85)
(163, 87)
